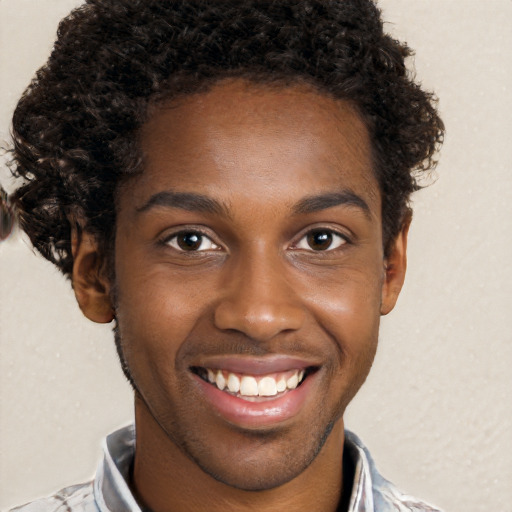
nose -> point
(259, 300)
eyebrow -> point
(188, 201)
(194, 202)
(323, 201)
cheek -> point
(156, 310)
(348, 308)
(351, 294)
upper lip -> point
(256, 365)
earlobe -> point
(395, 267)
(91, 287)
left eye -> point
(190, 241)
(321, 240)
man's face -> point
(249, 253)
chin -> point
(262, 476)
(266, 463)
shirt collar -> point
(111, 490)
(112, 493)
(361, 499)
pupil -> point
(189, 241)
(320, 240)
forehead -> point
(241, 139)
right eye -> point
(191, 241)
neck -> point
(165, 479)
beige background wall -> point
(436, 412)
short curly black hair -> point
(75, 128)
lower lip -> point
(266, 413)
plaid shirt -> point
(109, 491)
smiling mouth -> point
(254, 387)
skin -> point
(256, 288)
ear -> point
(91, 286)
(395, 266)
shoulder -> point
(385, 496)
(398, 501)
(77, 498)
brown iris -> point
(320, 240)
(189, 241)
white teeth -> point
(248, 386)
(220, 380)
(293, 381)
(233, 383)
(267, 387)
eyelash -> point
(173, 241)
(335, 237)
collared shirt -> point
(109, 491)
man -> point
(228, 182)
